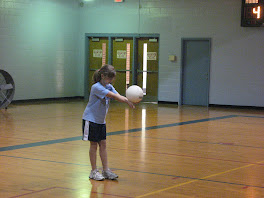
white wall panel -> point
(39, 47)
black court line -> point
(200, 142)
(48, 142)
(251, 116)
(144, 172)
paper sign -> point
(121, 54)
(97, 53)
(152, 56)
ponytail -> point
(96, 76)
(106, 70)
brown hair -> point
(106, 70)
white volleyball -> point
(134, 94)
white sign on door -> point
(97, 53)
(152, 56)
(121, 54)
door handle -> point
(206, 76)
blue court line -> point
(43, 143)
(144, 172)
(48, 142)
(172, 125)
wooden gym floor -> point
(158, 150)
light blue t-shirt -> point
(98, 104)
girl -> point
(94, 128)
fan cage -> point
(6, 94)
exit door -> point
(123, 61)
(98, 56)
(135, 58)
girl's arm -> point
(120, 98)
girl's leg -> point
(92, 152)
(94, 172)
(103, 154)
(107, 173)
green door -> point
(147, 68)
(122, 61)
(98, 56)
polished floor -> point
(158, 150)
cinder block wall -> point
(42, 44)
(39, 47)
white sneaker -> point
(108, 174)
(96, 175)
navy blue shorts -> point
(93, 132)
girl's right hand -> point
(130, 104)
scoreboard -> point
(252, 14)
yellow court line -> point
(175, 186)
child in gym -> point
(94, 125)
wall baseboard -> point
(237, 106)
(167, 102)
